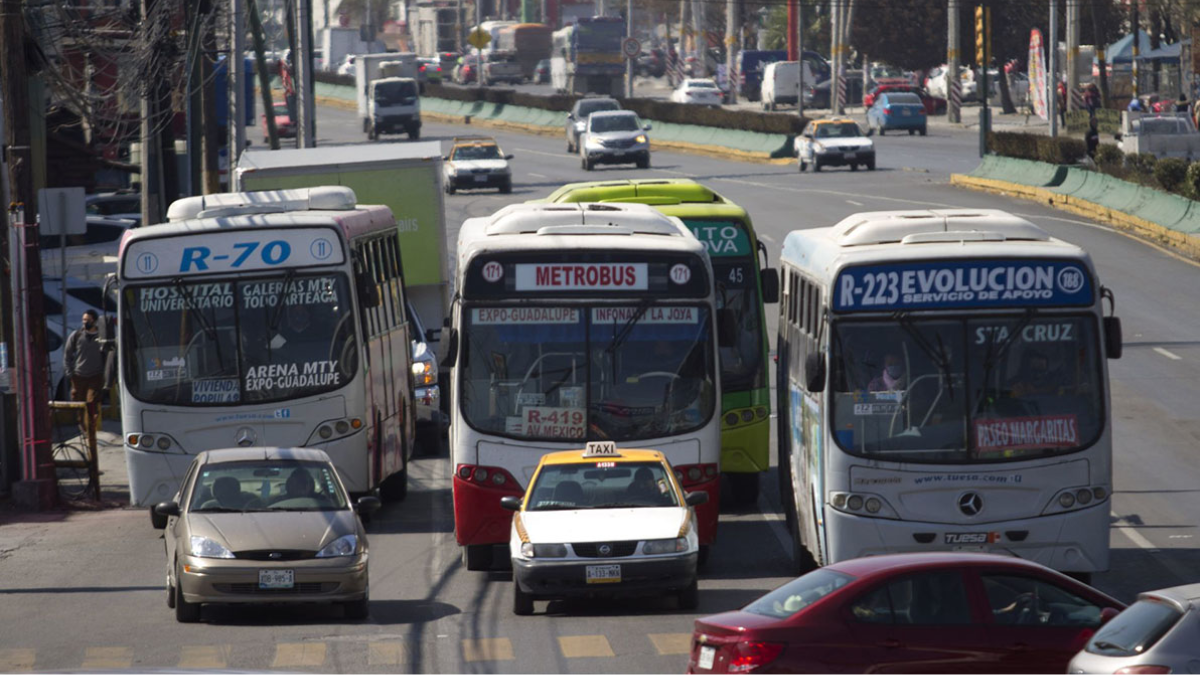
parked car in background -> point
(699, 91)
(781, 82)
(614, 137)
(652, 63)
(818, 96)
(936, 84)
(908, 613)
(284, 126)
(1156, 634)
(501, 67)
(346, 67)
(89, 256)
(541, 72)
(429, 70)
(124, 204)
(898, 112)
(577, 118)
(750, 64)
(1161, 134)
(834, 142)
(265, 525)
(933, 105)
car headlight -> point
(818, 147)
(203, 547)
(544, 550)
(579, 126)
(593, 142)
(640, 139)
(342, 546)
(661, 546)
(424, 374)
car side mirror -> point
(1108, 614)
(508, 156)
(570, 116)
(451, 355)
(1113, 341)
(367, 505)
(433, 334)
(647, 126)
(510, 503)
(769, 278)
(446, 158)
(727, 333)
(696, 498)
(814, 372)
(167, 509)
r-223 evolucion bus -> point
(576, 323)
(270, 318)
(943, 386)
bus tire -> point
(802, 558)
(522, 601)
(745, 488)
(156, 521)
(477, 557)
(689, 596)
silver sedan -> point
(1156, 634)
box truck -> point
(370, 67)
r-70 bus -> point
(943, 385)
(744, 282)
(271, 318)
(576, 323)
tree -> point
(910, 34)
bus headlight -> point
(1075, 498)
(862, 504)
(332, 430)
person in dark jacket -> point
(83, 363)
(1092, 137)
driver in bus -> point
(1035, 377)
(891, 378)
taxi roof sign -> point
(601, 449)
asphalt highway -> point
(86, 592)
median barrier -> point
(1020, 171)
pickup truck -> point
(502, 66)
(1161, 134)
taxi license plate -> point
(604, 574)
(481, 178)
(276, 578)
(707, 656)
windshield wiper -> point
(218, 509)
(994, 352)
(287, 280)
(620, 336)
(190, 301)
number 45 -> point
(735, 275)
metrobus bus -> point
(943, 385)
(744, 282)
(272, 318)
(575, 323)
(585, 57)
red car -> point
(908, 613)
(284, 126)
(933, 104)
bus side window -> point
(398, 294)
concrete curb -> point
(1181, 242)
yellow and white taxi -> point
(603, 521)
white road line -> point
(766, 237)
(1169, 355)
(773, 521)
(851, 201)
(538, 175)
(1143, 543)
(560, 155)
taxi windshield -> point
(466, 153)
(602, 484)
(843, 130)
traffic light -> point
(983, 35)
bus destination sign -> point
(582, 277)
(956, 284)
(232, 251)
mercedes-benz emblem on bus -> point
(245, 436)
(970, 504)
(605, 550)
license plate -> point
(481, 179)
(905, 112)
(707, 656)
(276, 578)
(851, 155)
(604, 574)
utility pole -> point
(235, 63)
(152, 186)
(953, 91)
(1135, 26)
(194, 104)
(792, 9)
(835, 49)
(699, 38)
(208, 103)
(1072, 53)
(306, 130)
(798, 35)
(983, 45)
(733, 29)
(628, 59)
(264, 78)
(1053, 80)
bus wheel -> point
(745, 488)
(801, 556)
(477, 557)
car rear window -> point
(789, 599)
(903, 98)
(1136, 629)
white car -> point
(935, 83)
(604, 522)
(698, 91)
(476, 162)
(347, 66)
(834, 142)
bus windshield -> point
(619, 373)
(227, 342)
(975, 390)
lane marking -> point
(107, 658)
(672, 643)
(1181, 573)
(773, 519)
(17, 660)
(851, 201)
(1170, 355)
(584, 646)
(299, 655)
(767, 237)
(389, 653)
(538, 175)
(487, 649)
(205, 657)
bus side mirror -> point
(814, 372)
(510, 503)
(770, 285)
(451, 346)
(1112, 337)
(727, 332)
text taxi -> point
(603, 522)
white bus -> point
(575, 323)
(943, 385)
(271, 318)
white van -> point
(779, 85)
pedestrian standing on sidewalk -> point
(1092, 137)
(1091, 98)
(1182, 104)
(83, 361)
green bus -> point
(744, 283)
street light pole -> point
(628, 59)
(800, 58)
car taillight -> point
(887, 111)
(693, 474)
(1143, 670)
(750, 656)
(488, 476)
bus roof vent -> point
(581, 219)
(934, 225)
(585, 229)
(327, 198)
